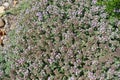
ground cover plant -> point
(61, 40)
(112, 7)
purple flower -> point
(94, 23)
(40, 16)
(21, 61)
(91, 76)
(50, 61)
(1, 73)
(111, 71)
(94, 1)
(72, 78)
(94, 9)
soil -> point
(10, 20)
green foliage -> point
(112, 7)
(20, 8)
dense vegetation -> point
(112, 7)
(61, 40)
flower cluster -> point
(63, 40)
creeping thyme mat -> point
(61, 40)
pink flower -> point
(1, 73)
(94, 1)
(20, 61)
(91, 76)
(94, 23)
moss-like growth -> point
(112, 7)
